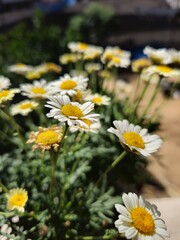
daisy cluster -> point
(159, 63)
(74, 101)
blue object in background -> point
(54, 6)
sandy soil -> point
(165, 165)
(166, 169)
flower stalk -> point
(114, 163)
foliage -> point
(71, 179)
(30, 43)
(92, 25)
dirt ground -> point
(165, 165)
(166, 169)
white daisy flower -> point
(80, 96)
(69, 58)
(98, 99)
(162, 70)
(160, 56)
(92, 126)
(4, 82)
(139, 220)
(36, 72)
(71, 112)
(135, 139)
(139, 64)
(8, 94)
(175, 55)
(20, 68)
(118, 61)
(147, 77)
(68, 85)
(78, 47)
(92, 52)
(23, 107)
(111, 52)
(38, 90)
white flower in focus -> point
(159, 56)
(38, 90)
(139, 220)
(68, 85)
(135, 139)
(4, 82)
(23, 107)
(73, 113)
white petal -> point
(131, 232)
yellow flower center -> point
(21, 65)
(38, 90)
(79, 95)
(164, 69)
(87, 121)
(72, 111)
(143, 221)
(26, 105)
(18, 199)
(83, 46)
(67, 85)
(156, 59)
(4, 93)
(134, 139)
(97, 100)
(108, 56)
(33, 75)
(48, 137)
(116, 60)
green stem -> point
(3, 187)
(15, 125)
(141, 95)
(54, 157)
(114, 163)
(40, 112)
(136, 87)
(97, 237)
(153, 96)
